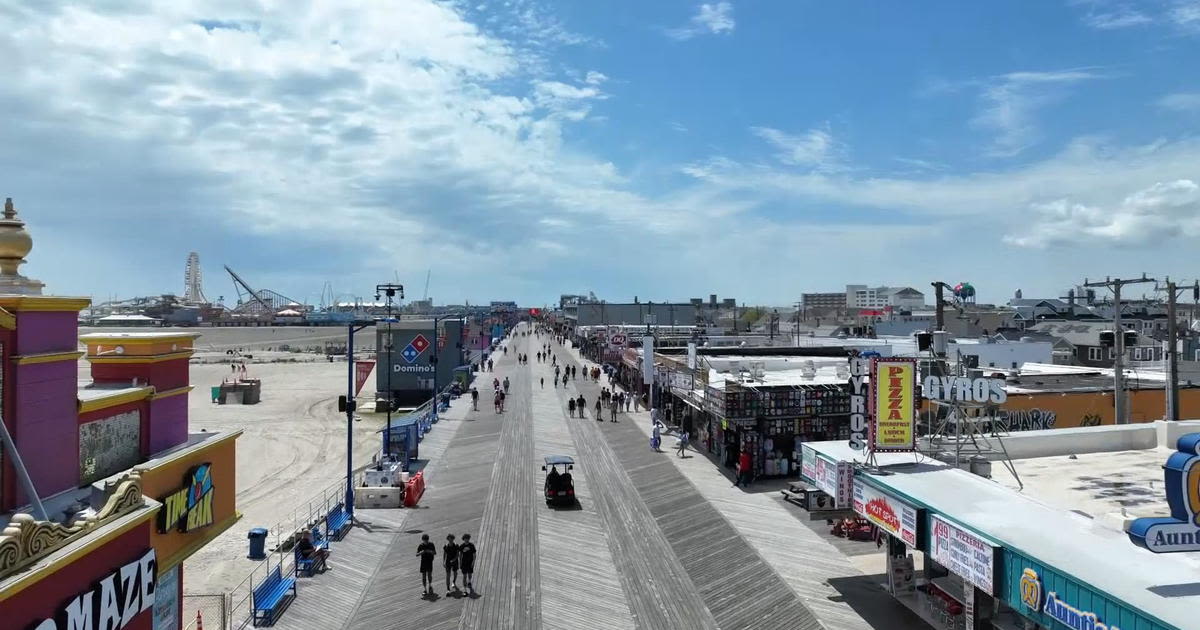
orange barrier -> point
(414, 489)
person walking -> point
(599, 412)
(426, 551)
(743, 469)
(450, 563)
(581, 404)
(466, 562)
(503, 398)
(542, 380)
(656, 439)
(475, 398)
(683, 441)
(571, 406)
(612, 410)
(628, 401)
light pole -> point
(391, 291)
(351, 405)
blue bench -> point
(272, 596)
(337, 522)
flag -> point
(362, 369)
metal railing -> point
(239, 601)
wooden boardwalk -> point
(580, 585)
(653, 545)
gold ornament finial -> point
(15, 244)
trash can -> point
(258, 543)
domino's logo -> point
(415, 348)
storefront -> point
(772, 422)
(195, 485)
(105, 576)
(965, 552)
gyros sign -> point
(962, 389)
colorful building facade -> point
(124, 493)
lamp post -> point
(350, 408)
(390, 291)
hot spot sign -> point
(893, 405)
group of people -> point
(456, 557)
(498, 395)
(656, 435)
(567, 373)
(523, 359)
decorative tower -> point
(15, 244)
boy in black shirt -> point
(450, 562)
(466, 558)
(427, 551)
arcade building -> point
(103, 491)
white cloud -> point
(1117, 17)
(1010, 101)
(710, 19)
(1186, 13)
(1085, 183)
(1163, 211)
(339, 125)
(814, 148)
(1181, 102)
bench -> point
(337, 522)
(272, 596)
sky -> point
(518, 150)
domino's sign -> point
(1181, 531)
(415, 348)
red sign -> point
(879, 510)
(420, 343)
(362, 369)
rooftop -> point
(1077, 545)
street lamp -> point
(390, 291)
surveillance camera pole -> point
(1120, 398)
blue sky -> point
(668, 149)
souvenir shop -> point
(772, 421)
(965, 552)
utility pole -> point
(1172, 350)
(799, 305)
(940, 319)
(1120, 398)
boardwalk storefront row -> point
(966, 552)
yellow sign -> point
(190, 507)
(894, 404)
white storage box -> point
(378, 497)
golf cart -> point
(559, 488)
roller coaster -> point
(260, 303)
